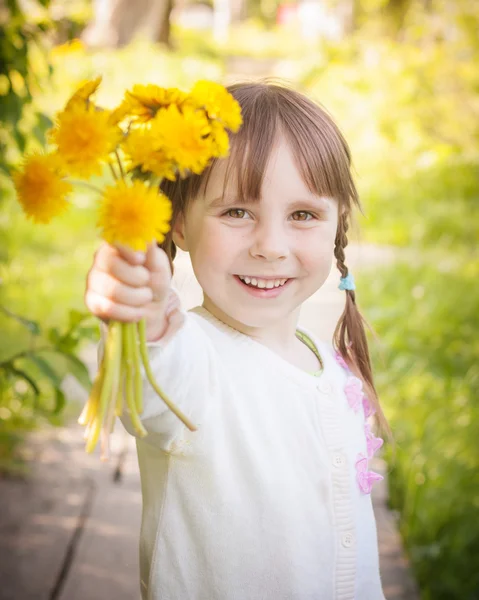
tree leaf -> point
(32, 326)
(54, 335)
(22, 375)
(78, 369)
(60, 401)
(76, 317)
(46, 369)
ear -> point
(178, 233)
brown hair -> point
(324, 161)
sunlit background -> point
(401, 78)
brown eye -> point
(303, 215)
(236, 213)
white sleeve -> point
(183, 369)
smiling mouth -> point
(262, 284)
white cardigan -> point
(263, 501)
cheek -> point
(318, 249)
(211, 246)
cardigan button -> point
(339, 459)
(324, 387)
(347, 540)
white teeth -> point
(263, 283)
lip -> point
(263, 292)
(265, 277)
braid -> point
(340, 244)
(350, 335)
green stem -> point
(90, 406)
(136, 367)
(113, 172)
(112, 360)
(120, 166)
(85, 184)
(109, 420)
(155, 181)
(130, 384)
(146, 364)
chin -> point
(260, 319)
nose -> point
(270, 242)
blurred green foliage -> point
(427, 377)
(21, 36)
(32, 379)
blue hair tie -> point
(347, 283)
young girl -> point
(270, 498)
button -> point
(324, 387)
(339, 459)
(347, 540)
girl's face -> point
(287, 235)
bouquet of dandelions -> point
(154, 133)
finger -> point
(173, 302)
(104, 284)
(118, 267)
(106, 309)
(160, 273)
(134, 258)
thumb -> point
(157, 263)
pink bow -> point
(365, 478)
(373, 443)
(340, 360)
(354, 392)
(368, 408)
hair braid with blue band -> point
(347, 283)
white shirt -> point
(263, 501)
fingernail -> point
(140, 256)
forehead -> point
(281, 178)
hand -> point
(123, 285)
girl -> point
(270, 498)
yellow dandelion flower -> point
(119, 113)
(133, 214)
(41, 188)
(82, 95)
(146, 100)
(85, 138)
(218, 103)
(69, 47)
(184, 137)
(220, 140)
(143, 149)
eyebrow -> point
(322, 202)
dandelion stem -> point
(155, 181)
(113, 172)
(130, 383)
(120, 166)
(86, 185)
(146, 364)
(92, 402)
(112, 360)
(137, 367)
